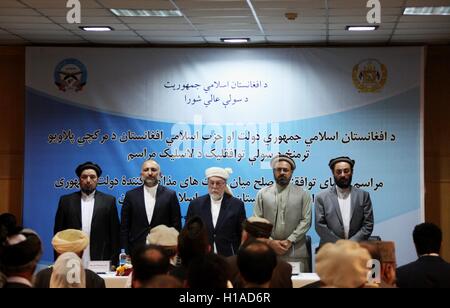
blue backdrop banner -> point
(191, 109)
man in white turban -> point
(343, 264)
(68, 272)
(70, 240)
(73, 241)
(222, 213)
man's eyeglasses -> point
(218, 183)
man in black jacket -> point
(147, 206)
(429, 270)
(93, 212)
(222, 213)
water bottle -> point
(122, 257)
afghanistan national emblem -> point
(70, 74)
(369, 75)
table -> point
(113, 281)
(303, 279)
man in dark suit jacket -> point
(343, 211)
(257, 228)
(93, 212)
(148, 206)
(222, 213)
(429, 270)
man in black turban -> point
(93, 212)
(19, 254)
(343, 211)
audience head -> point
(256, 227)
(20, 253)
(8, 225)
(148, 261)
(256, 262)
(163, 282)
(427, 238)
(3, 279)
(193, 240)
(70, 240)
(384, 252)
(165, 237)
(342, 264)
(68, 272)
(208, 271)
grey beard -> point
(151, 182)
(216, 197)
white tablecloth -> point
(113, 281)
(302, 279)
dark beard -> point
(87, 191)
(282, 181)
(344, 184)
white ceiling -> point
(319, 22)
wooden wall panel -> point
(436, 211)
(11, 197)
(437, 141)
(12, 103)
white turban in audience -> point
(343, 264)
(223, 173)
(163, 236)
(68, 272)
(70, 240)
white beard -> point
(216, 197)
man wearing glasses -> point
(343, 211)
(222, 213)
(93, 212)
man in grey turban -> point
(288, 208)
